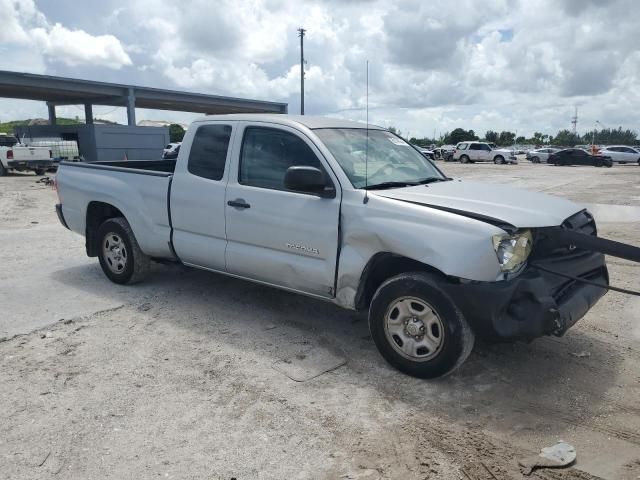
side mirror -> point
(308, 180)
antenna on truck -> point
(366, 149)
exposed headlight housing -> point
(513, 250)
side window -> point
(462, 146)
(266, 155)
(486, 148)
(627, 150)
(208, 153)
(475, 146)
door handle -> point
(238, 203)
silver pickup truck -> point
(348, 214)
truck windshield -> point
(392, 162)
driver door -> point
(274, 235)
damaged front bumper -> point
(535, 303)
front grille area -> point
(582, 222)
(546, 247)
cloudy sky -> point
(434, 65)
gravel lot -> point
(175, 377)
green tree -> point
(609, 136)
(491, 136)
(566, 138)
(506, 138)
(520, 140)
(459, 135)
(176, 133)
(538, 138)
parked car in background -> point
(427, 153)
(577, 156)
(540, 155)
(171, 150)
(469, 152)
(172, 153)
(296, 202)
(444, 152)
(621, 154)
(16, 156)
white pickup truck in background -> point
(352, 215)
(18, 157)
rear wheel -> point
(464, 159)
(120, 256)
(39, 171)
(417, 327)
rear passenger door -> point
(277, 236)
(629, 154)
(485, 152)
(197, 195)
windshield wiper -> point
(383, 185)
(397, 184)
(424, 181)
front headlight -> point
(512, 250)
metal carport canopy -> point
(71, 91)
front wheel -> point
(535, 160)
(120, 256)
(39, 171)
(464, 159)
(417, 327)
(499, 160)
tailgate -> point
(31, 153)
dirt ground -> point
(175, 377)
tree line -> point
(605, 136)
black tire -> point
(535, 160)
(39, 171)
(638, 162)
(464, 159)
(457, 337)
(3, 171)
(609, 163)
(135, 264)
(498, 160)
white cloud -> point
(25, 28)
(75, 47)
(498, 64)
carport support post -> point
(88, 113)
(52, 113)
(131, 108)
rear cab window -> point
(208, 155)
(7, 141)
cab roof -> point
(309, 121)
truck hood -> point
(500, 205)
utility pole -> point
(301, 32)
(574, 121)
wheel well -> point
(381, 267)
(97, 213)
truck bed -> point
(139, 189)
